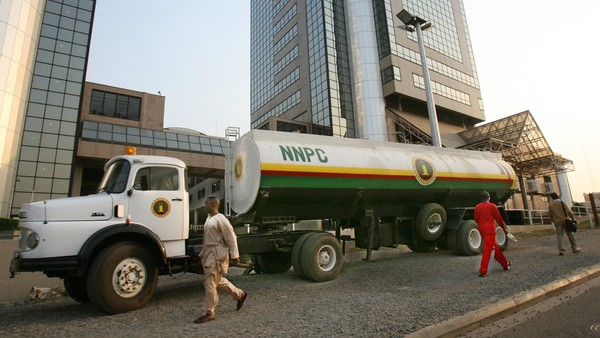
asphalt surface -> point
(399, 293)
(572, 313)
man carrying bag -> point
(559, 214)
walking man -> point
(218, 244)
(485, 215)
(558, 213)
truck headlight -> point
(33, 240)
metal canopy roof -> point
(517, 137)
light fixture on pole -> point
(414, 23)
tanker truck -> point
(110, 247)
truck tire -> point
(501, 239)
(75, 287)
(430, 221)
(468, 239)
(321, 257)
(451, 241)
(122, 278)
(274, 262)
(297, 253)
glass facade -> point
(277, 64)
(49, 136)
(133, 136)
(326, 86)
(443, 39)
(271, 34)
(115, 105)
(330, 82)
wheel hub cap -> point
(129, 278)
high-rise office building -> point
(346, 68)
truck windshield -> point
(115, 177)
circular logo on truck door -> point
(424, 171)
(161, 207)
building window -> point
(201, 193)
(216, 186)
(115, 105)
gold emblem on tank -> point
(238, 169)
(424, 171)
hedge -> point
(7, 224)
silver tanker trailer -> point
(387, 193)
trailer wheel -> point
(451, 241)
(122, 278)
(321, 257)
(468, 239)
(430, 221)
(501, 239)
(297, 253)
(75, 287)
(274, 262)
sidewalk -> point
(488, 314)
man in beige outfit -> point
(219, 243)
(558, 212)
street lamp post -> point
(414, 23)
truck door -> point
(159, 201)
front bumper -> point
(53, 266)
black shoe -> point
(561, 253)
(483, 275)
(507, 267)
(241, 301)
(204, 319)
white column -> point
(365, 71)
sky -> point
(544, 59)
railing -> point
(540, 217)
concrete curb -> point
(488, 314)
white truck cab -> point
(113, 243)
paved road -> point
(399, 293)
(573, 313)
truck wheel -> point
(122, 278)
(75, 287)
(321, 257)
(468, 239)
(274, 262)
(501, 239)
(451, 241)
(297, 253)
(430, 221)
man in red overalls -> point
(485, 215)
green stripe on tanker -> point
(279, 181)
